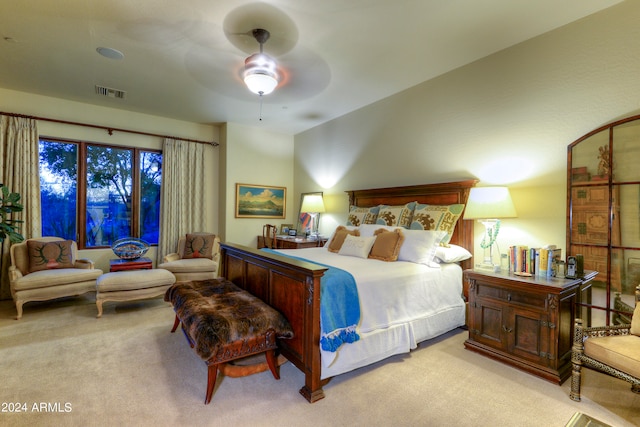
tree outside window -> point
(116, 194)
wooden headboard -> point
(433, 194)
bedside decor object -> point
(312, 206)
(487, 205)
(130, 248)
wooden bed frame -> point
(293, 287)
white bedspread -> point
(393, 296)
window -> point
(96, 194)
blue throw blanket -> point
(339, 306)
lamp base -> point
(488, 267)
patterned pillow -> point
(437, 217)
(387, 244)
(358, 216)
(199, 245)
(49, 255)
(339, 236)
(396, 216)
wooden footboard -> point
(291, 287)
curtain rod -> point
(109, 130)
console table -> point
(130, 264)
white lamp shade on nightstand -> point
(489, 203)
(312, 203)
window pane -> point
(58, 188)
(109, 185)
(151, 180)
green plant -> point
(9, 204)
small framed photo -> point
(260, 201)
(284, 229)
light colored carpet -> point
(128, 369)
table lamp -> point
(313, 205)
(487, 205)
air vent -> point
(109, 92)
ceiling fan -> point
(260, 73)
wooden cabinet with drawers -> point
(526, 322)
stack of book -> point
(534, 261)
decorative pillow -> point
(437, 217)
(420, 246)
(368, 230)
(49, 255)
(339, 237)
(398, 216)
(357, 246)
(199, 245)
(358, 216)
(635, 320)
(387, 244)
(451, 253)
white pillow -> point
(357, 246)
(453, 253)
(420, 246)
(367, 230)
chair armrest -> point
(14, 273)
(171, 257)
(84, 263)
(605, 331)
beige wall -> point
(506, 119)
(42, 106)
(250, 155)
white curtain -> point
(19, 172)
(182, 203)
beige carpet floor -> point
(64, 367)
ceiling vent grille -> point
(110, 92)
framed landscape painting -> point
(260, 201)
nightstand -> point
(291, 242)
(526, 322)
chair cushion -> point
(621, 352)
(62, 276)
(49, 255)
(134, 279)
(192, 265)
(199, 245)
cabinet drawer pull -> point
(504, 328)
(508, 297)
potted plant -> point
(9, 204)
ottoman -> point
(132, 285)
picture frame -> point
(260, 201)
(284, 229)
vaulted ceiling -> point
(184, 59)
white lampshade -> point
(489, 203)
(312, 203)
(260, 74)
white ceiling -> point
(183, 58)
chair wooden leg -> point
(271, 361)
(575, 382)
(175, 324)
(211, 382)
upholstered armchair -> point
(197, 257)
(612, 350)
(45, 268)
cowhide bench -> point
(223, 323)
(132, 285)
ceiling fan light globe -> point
(260, 74)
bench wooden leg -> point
(271, 361)
(211, 382)
(175, 324)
